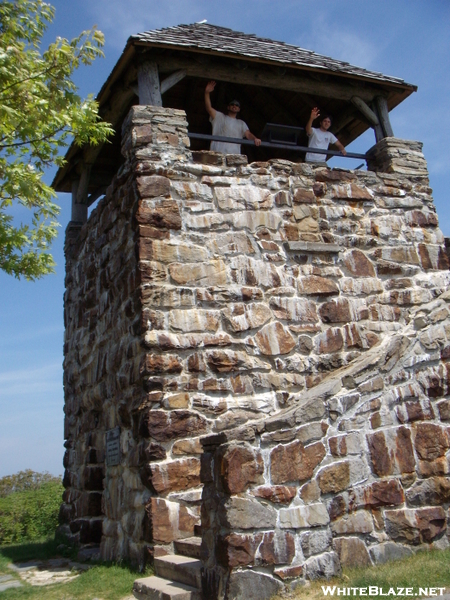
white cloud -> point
(31, 382)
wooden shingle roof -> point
(275, 81)
(203, 37)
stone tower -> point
(259, 347)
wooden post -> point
(148, 84)
(79, 211)
(383, 115)
(378, 130)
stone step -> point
(182, 569)
(157, 588)
(189, 547)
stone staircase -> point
(177, 576)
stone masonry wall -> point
(204, 294)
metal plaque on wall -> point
(113, 447)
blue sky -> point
(403, 38)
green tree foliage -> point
(29, 506)
(24, 481)
(40, 113)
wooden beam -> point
(383, 115)
(365, 110)
(172, 80)
(258, 77)
(148, 82)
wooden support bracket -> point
(172, 80)
(365, 110)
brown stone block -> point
(241, 385)
(391, 451)
(240, 467)
(147, 231)
(274, 339)
(242, 513)
(415, 526)
(279, 494)
(161, 363)
(174, 476)
(167, 521)
(443, 262)
(329, 341)
(431, 441)
(196, 363)
(227, 361)
(319, 189)
(302, 196)
(338, 506)
(277, 548)
(240, 549)
(142, 135)
(152, 271)
(415, 411)
(164, 426)
(382, 493)
(237, 549)
(294, 309)
(439, 466)
(444, 410)
(398, 254)
(338, 446)
(434, 491)
(334, 478)
(358, 522)
(204, 274)
(310, 492)
(418, 218)
(358, 265)
(289, 572)
(315, 285)
(187, 447)
(350, 190)
(352, 552)
(292, 462)
(336, 311)
(291, 232)
(163, 214)
(331, 175)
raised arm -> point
(249, 135)
(208, 89)
(314, 114)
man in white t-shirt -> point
(320, 138)
(227, 125)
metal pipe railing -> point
(218, 138)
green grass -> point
(424, 569)
(102, 581)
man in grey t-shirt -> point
(227, 125)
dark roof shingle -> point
(211, 38)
